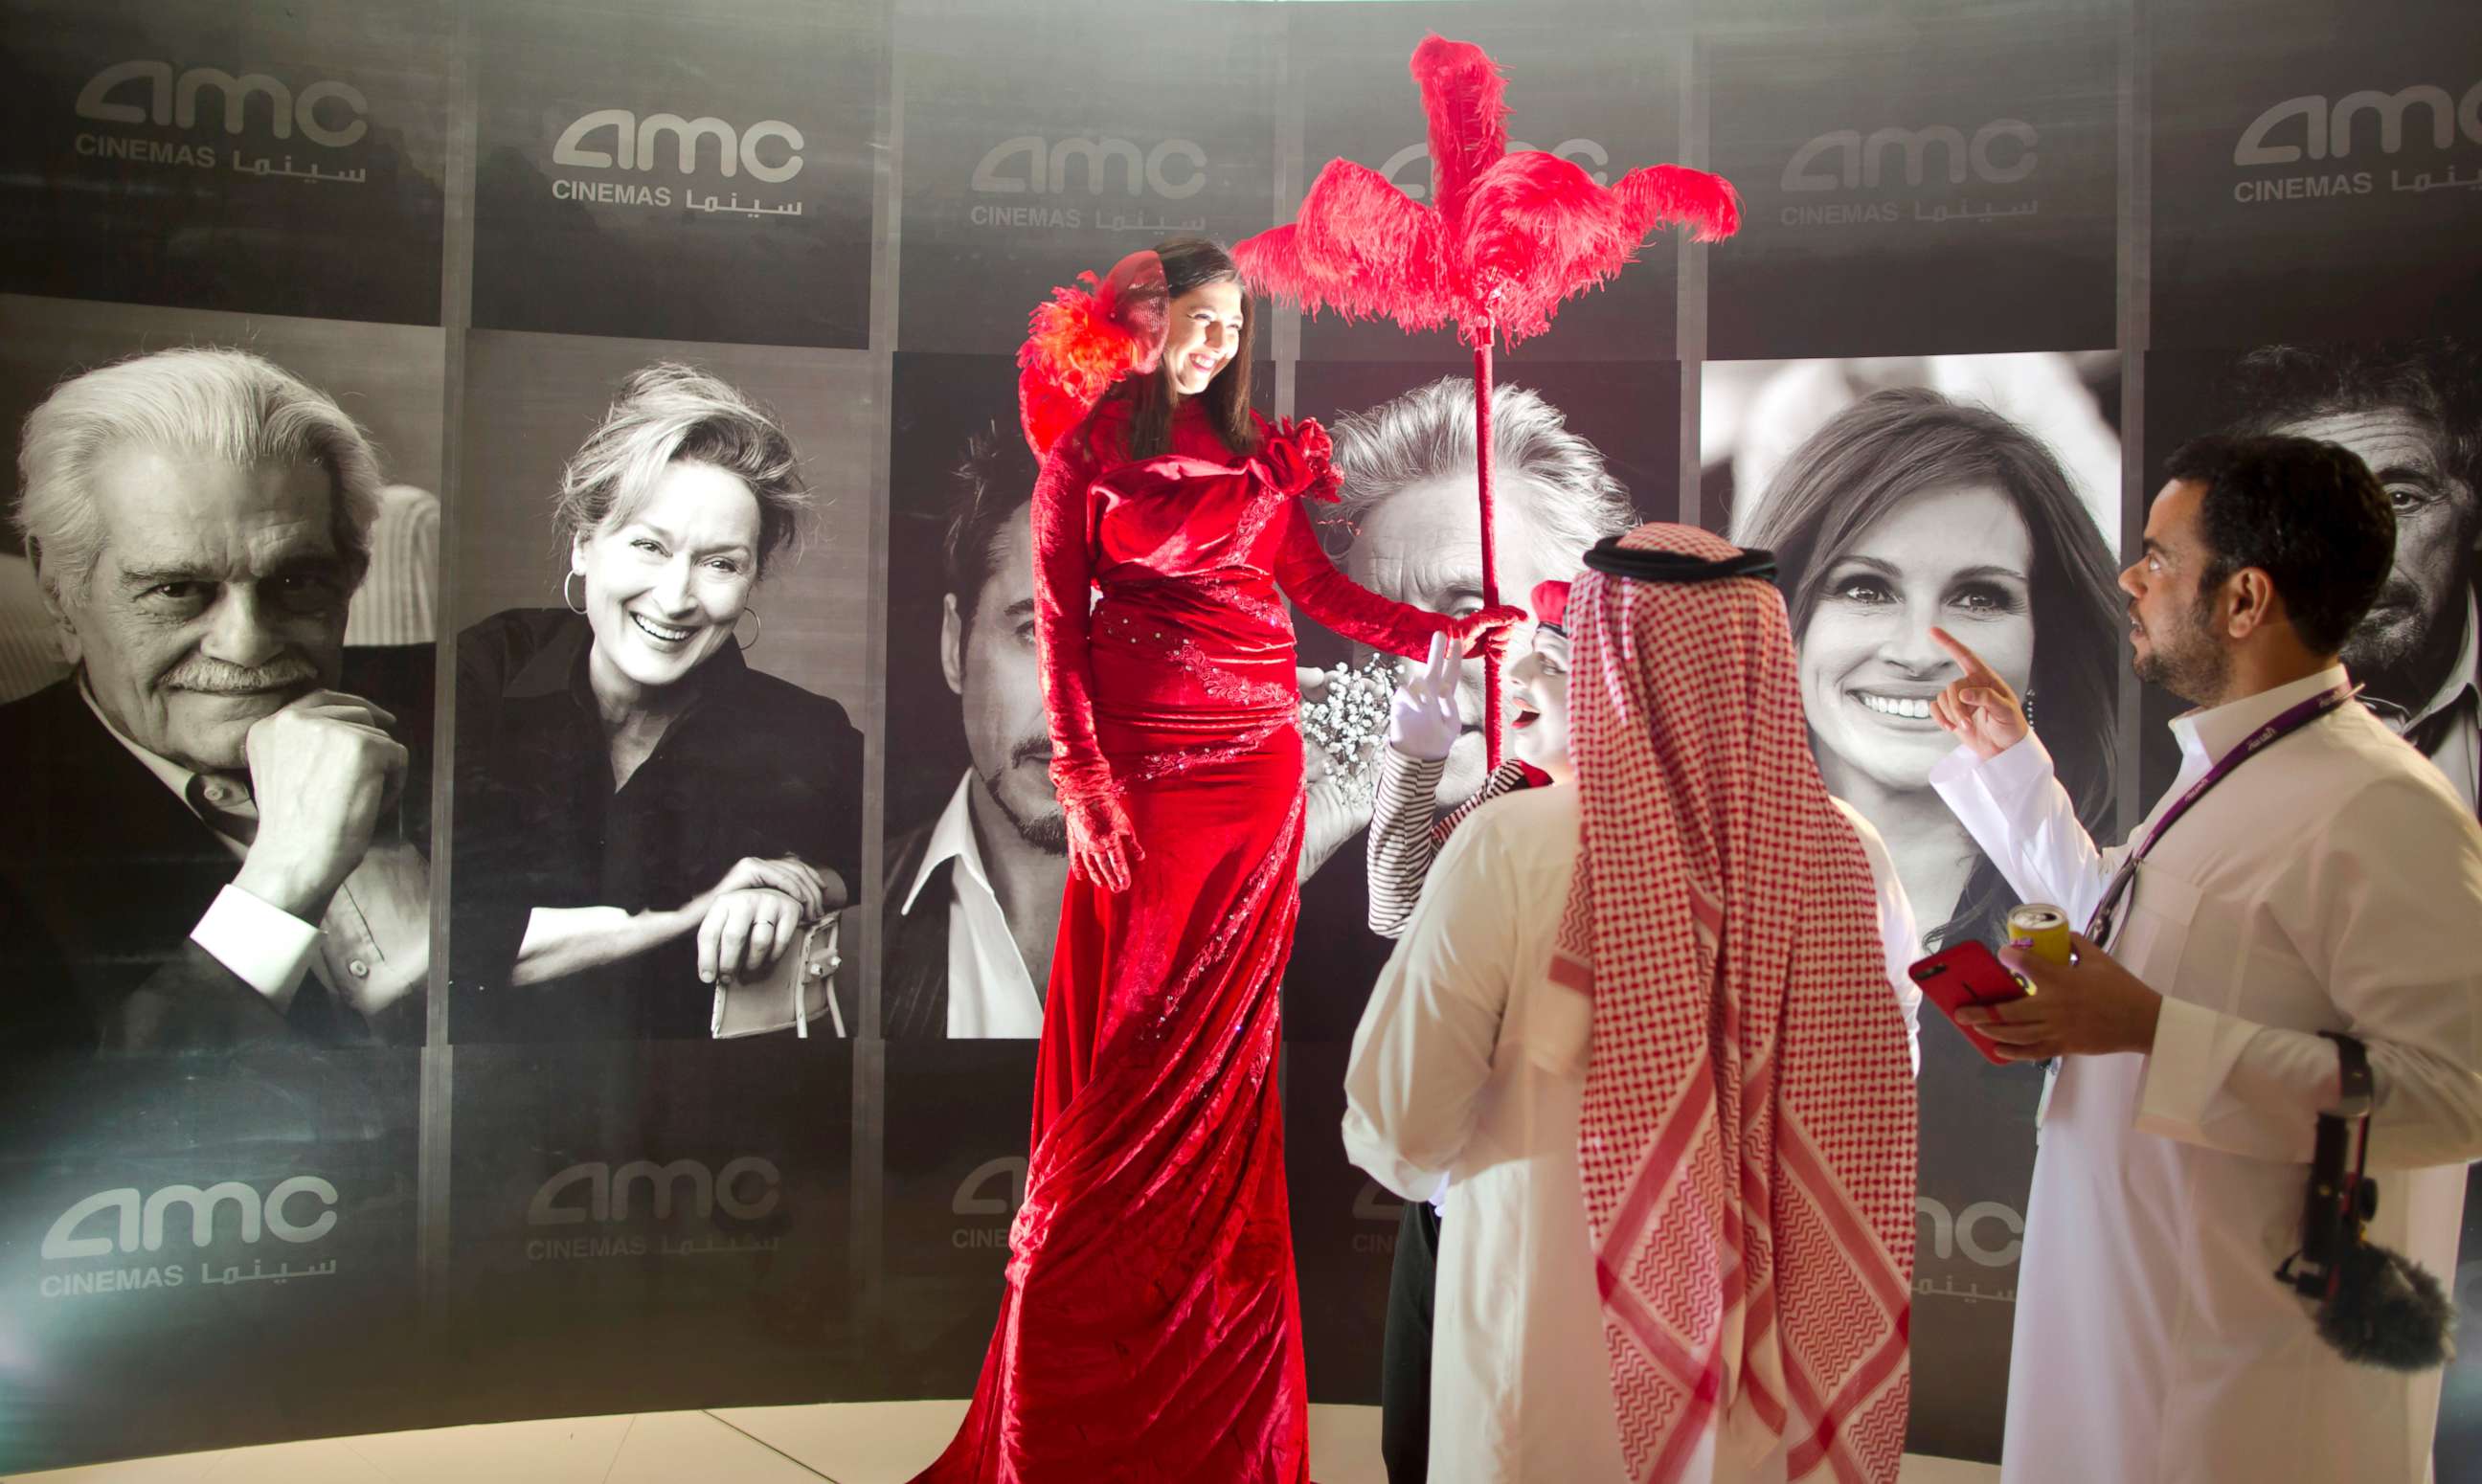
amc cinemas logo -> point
(2325, 133)
(1030, 165)
(2315, 128)
(1986, 1233)
(2001, 152)
(605, 1201)
(1934, 164)
(1374, 1203)
(330, 113)
(1398, 169)
(299, 1209)
(617, 139)
(147, 94)
(747, 1188)
(989, 1198)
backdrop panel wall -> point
(2083, 231)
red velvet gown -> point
(1149, 1328)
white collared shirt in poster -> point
(1469, 1064)
(990, 995)
(2448, 728)
(2331, 883)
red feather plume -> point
(1465, 96)
(1508, 237)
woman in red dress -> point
(1149, 1328)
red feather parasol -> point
(1510, 238)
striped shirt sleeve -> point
(1401, 847)
(1404, 838)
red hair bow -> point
(1081, 342)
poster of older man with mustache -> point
(225, 832)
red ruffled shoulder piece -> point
(1084, 340)
(1297, 459)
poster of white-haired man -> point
(1579, 450)
(223, 830)
(2412, 410)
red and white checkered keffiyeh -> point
(1747, 1140)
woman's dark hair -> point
(1888, 447)
(1188, 263)
(2309, 514)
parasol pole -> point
(1494, 704)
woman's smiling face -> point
(1204, 334)
(1959, 557)
(665, 581)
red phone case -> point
(1967, 974)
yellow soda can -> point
(2039, 929)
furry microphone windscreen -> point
(2389, 1311)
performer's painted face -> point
(666, 579)
(217, 599)
(2415, 629)
(1205, 333)
(1538, 712)
(1959, 557)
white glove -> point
(1422, 719)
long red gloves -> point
(1103, 844)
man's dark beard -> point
(2199, 670)
(1049, 834)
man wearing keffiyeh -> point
(1644, 1024)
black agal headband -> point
(1648, 564)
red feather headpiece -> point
(1511, 235)
(1081, 342)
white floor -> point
(878, 1443)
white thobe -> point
(2331, 883)
(1471, 1063)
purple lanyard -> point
(2100, 925)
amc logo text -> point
(174, 102)
(748, 1188)
(2002, 152)
(632, 143)
(300, 1209)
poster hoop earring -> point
(753, 633)
(579, 606)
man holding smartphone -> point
(2307, 872)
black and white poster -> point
(1584, 450)
(649, 1228)
(959, 1119)
(665, 560)
(1035, 150)
(1359, 103)
(977, 850)
(644, 170)
(2317, 171)
(1893, 172)
(1978, 493)
(284, 160)
(151, 438)
(186, 1242)
(2412, 410)
(1344, 1232)
(691, 622)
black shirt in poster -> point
(754, 766)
